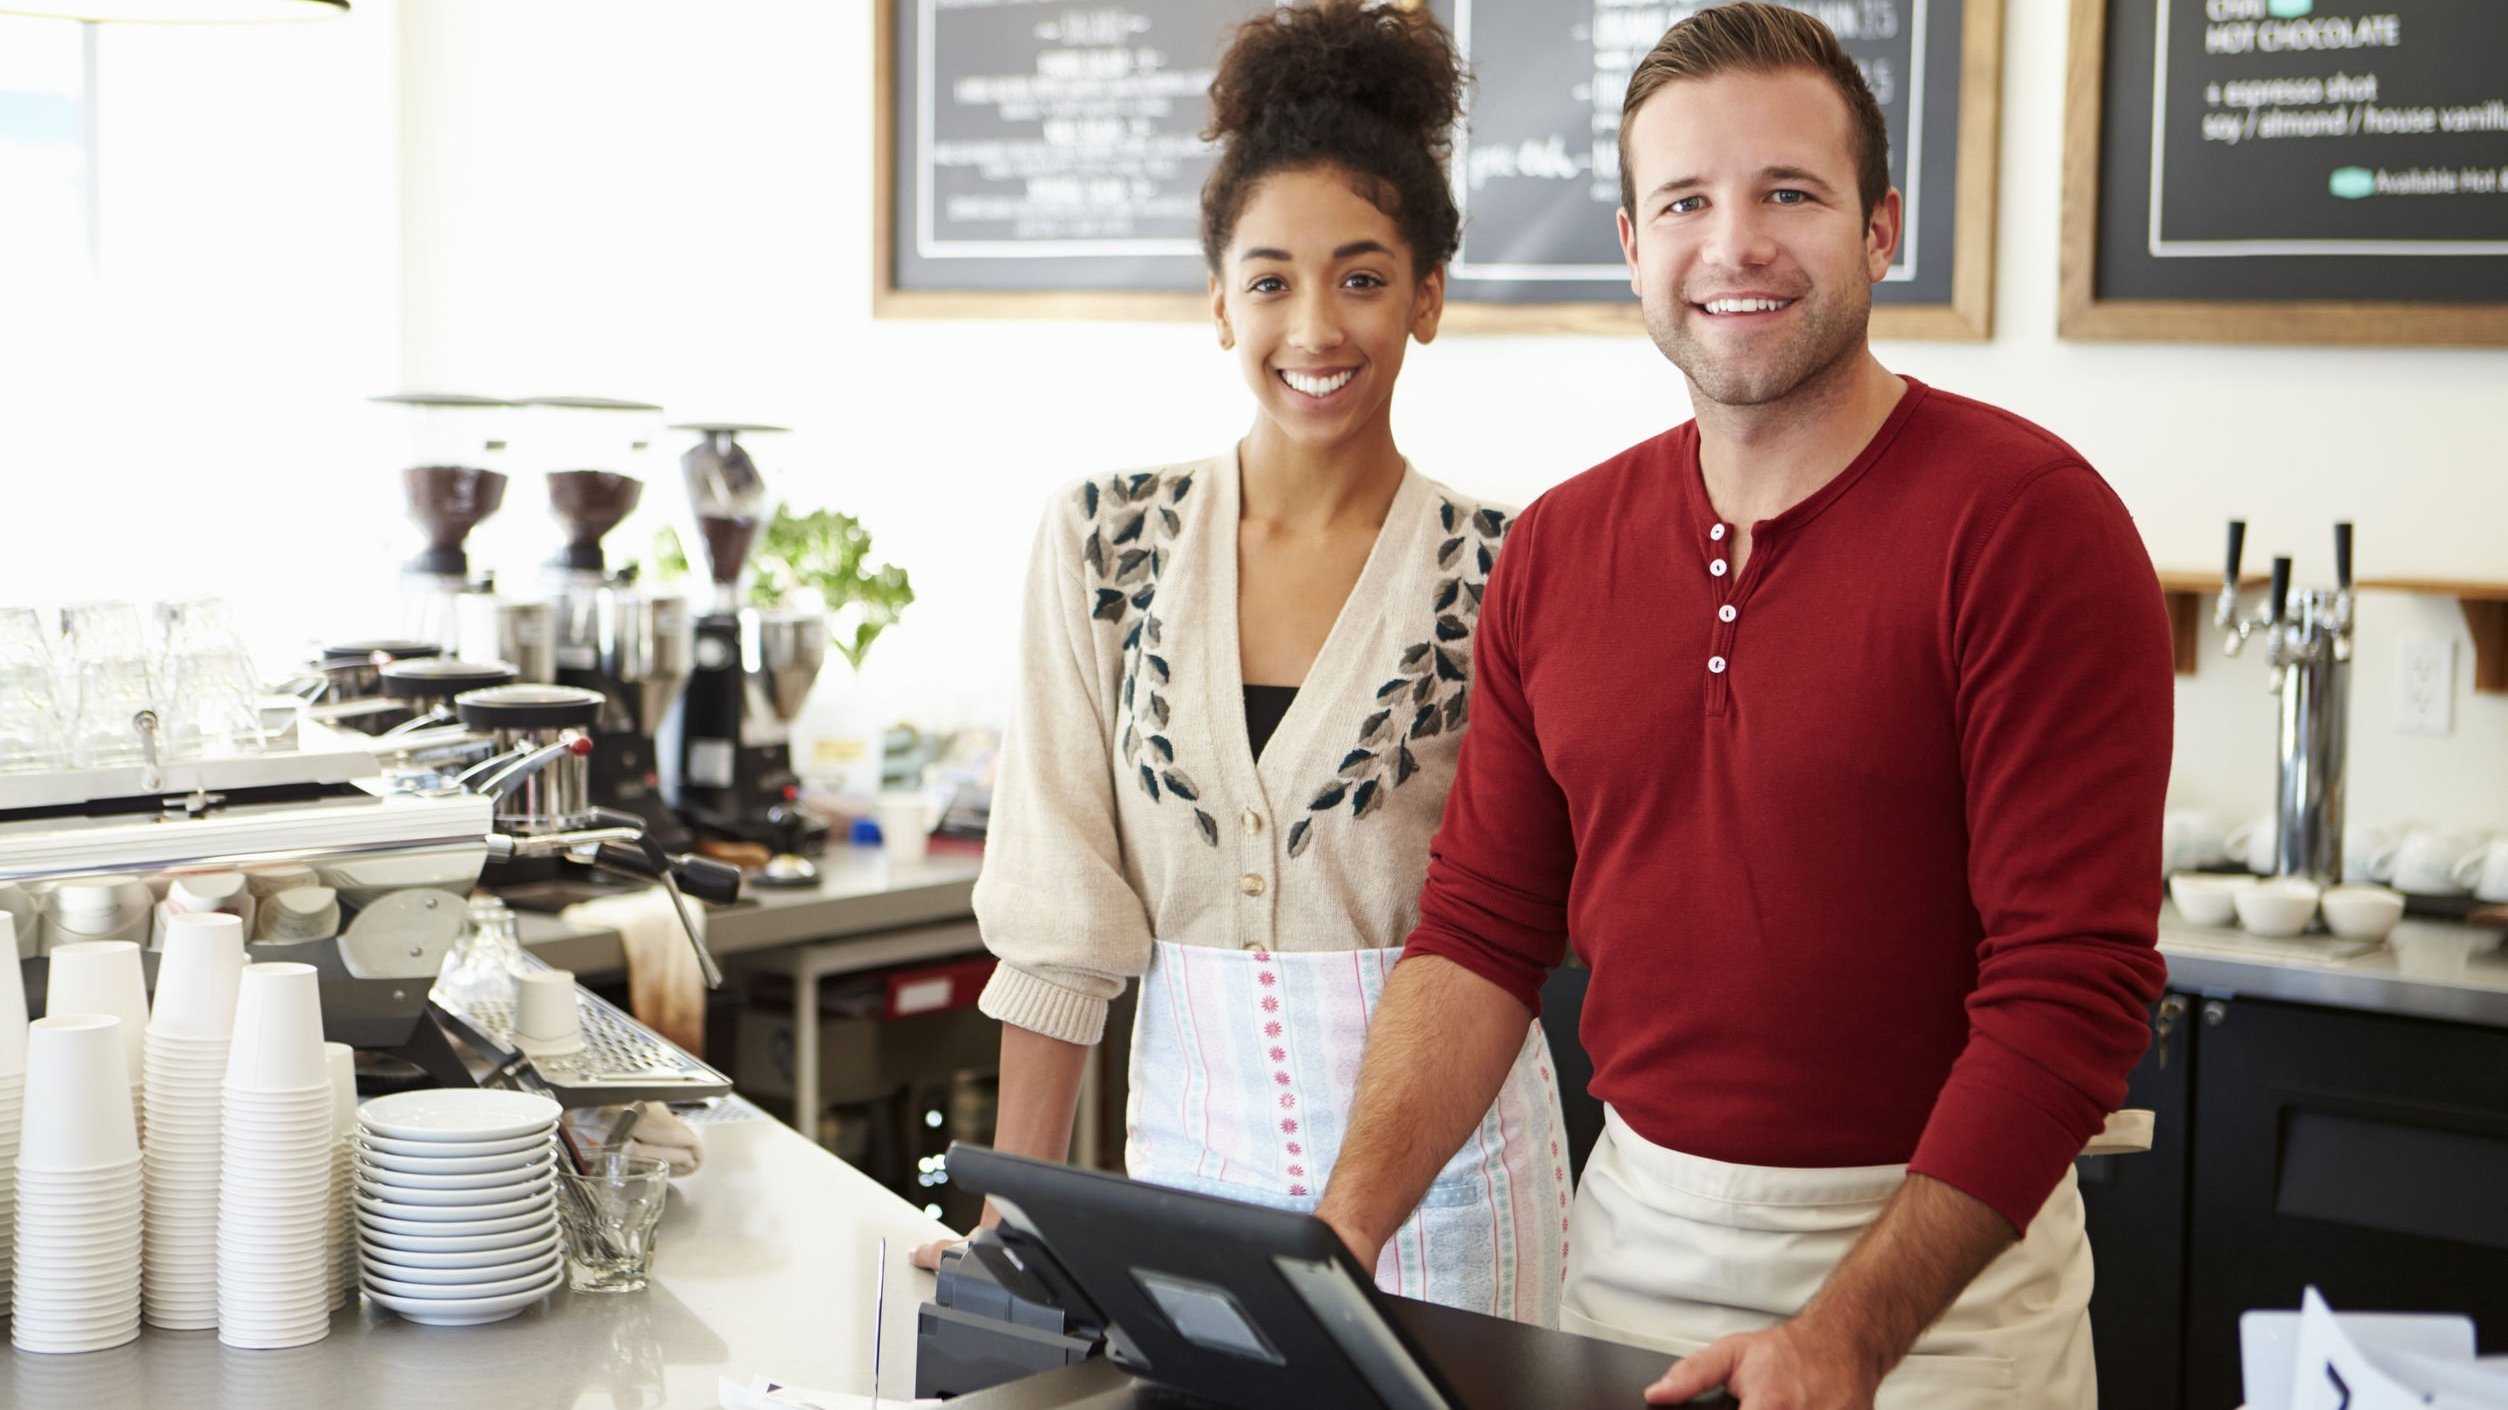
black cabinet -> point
(2364, 1153)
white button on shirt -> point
(1726, 613)
(1716, 664)
(1716, 533)
(1716, 567)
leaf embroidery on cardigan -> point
(1425, 695)
(1133, 527)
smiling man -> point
(1831, 728)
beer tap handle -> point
(2342, 555)
(2237, 554)
(2281, 591)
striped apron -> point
(1244, 1063)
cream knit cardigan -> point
(1128, 806)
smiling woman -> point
(1243, 685)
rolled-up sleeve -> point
(1053, 903)
(1500, 866)
(2065, 701)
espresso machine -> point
(727, 748)
(2307, 636)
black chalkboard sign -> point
(1042, 156)
(2288, 170)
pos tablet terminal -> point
(1244, 1307)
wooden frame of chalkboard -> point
(1966, 314)
(2082, 312)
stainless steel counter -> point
(859, 893)
(764, 1266)
(2220, 962)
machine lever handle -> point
(2281, 589)
(2342, 555)
(2237, 554)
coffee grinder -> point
(727, 749)
(452, 442)
(627, 645)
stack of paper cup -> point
(275, 1165)
(189, 1030)
(341, 1061)
(104, 976)
(77, 1286)
(12, 1091)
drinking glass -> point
(610, 1211)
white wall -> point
(660, 200)
(194, 422)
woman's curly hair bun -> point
(1374, 88)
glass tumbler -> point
(610, 1212)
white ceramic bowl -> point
(2361, 912)
(2276, 909)
(2206, 898)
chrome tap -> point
(2308, 641)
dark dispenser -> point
(452, 487)
(727, 749)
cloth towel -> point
(665, 987)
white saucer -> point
(412, 1262)
(522, 1235)
(454, 1165)
(424, 1208)
(546, 1212)
(456, 1150)
(465, 1114)
(530, 1276)
(468, 1311)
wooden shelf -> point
(2190, 597)
(2485, 608)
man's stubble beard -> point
(1833, 331)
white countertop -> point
(765, 1265)
(2224, 961)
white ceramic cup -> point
(2425, 865)
(12, 1003)
(78, 1097)
(2484, 870)
(2369, 851)
(2357, 912)
(2252, 845)
(305, 913)
(2277, 909)
(102, 976)
(197, 977)
(2206, 898)
(546, 1021)
(2192, 841)
(278, 1032)
(905, 821)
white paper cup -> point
(78, 1096)
(905, 821)
(197, 978)
(545, 1017)
(103, 977)
(278, 1031)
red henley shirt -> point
(1862, 842)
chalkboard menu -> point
(2310, 170)
(1032, 146)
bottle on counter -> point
(486, 964)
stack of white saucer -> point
(77, 1283)
(104, 976)
(189, 1032)
(456, 1208)
(12, 1092)
(275, 1165)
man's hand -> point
(1789, 1367)
(1365, 1250)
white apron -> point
(1244, 1063)
(1673, 1251)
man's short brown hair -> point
(1751, 36)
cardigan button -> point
(1716, 533)
(1251, 884)
(1253, 823)
(1717, 567)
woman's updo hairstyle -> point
(1374, 89)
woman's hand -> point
(928, 1256)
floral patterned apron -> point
(1244, 1064)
